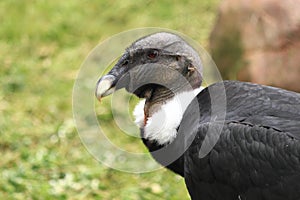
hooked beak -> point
(105, 86)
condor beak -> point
(105, 86)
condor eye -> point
(153, 54)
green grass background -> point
(42, 45)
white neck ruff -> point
(162, 125)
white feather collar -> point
(161, 126)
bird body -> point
(252, 152)
(256, 157)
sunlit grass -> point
(42, 45)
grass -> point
(43, 44)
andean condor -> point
(257, 151)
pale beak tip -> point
(99, 98)
(104, 87)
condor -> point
(254, 134)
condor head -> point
(155, 67)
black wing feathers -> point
(258, 153)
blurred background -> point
(43, 44)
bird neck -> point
(159, 122)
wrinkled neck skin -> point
(160, 120)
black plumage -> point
(257, 151)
